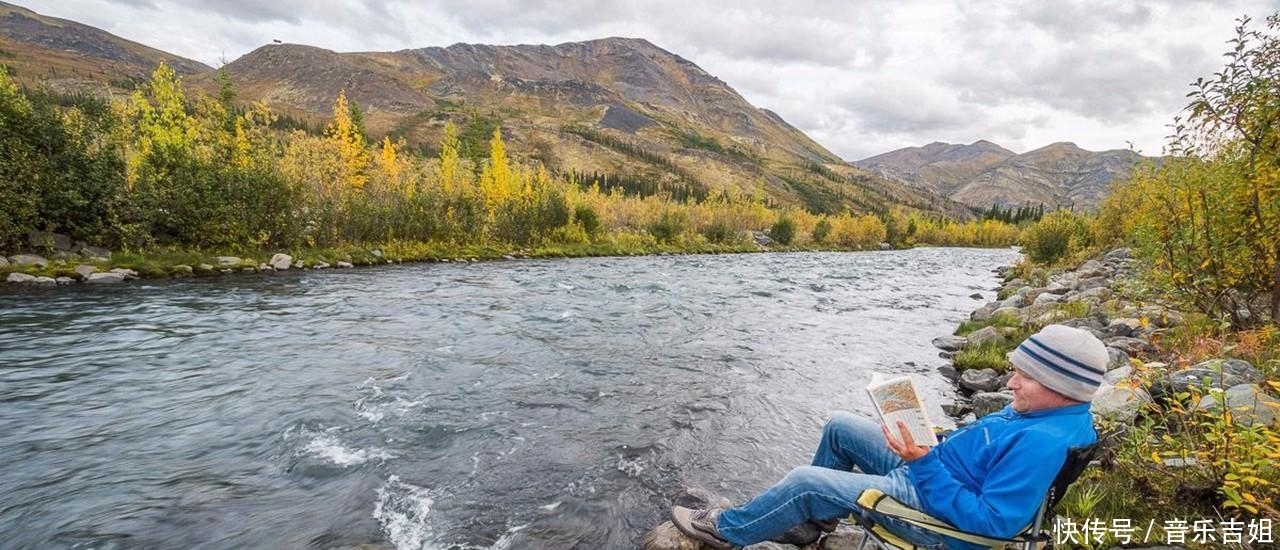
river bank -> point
(1188, 415)
(69, 263)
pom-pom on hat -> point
(1067, 360)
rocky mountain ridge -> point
(1059, 175)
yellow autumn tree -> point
(346, 134)
(449, 172)
(161, 123)
(496, 180)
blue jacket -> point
(989, 477)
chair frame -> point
(872, 500)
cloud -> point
(858, 76)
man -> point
(987, 477)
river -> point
(528, 404)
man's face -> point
(1029, 395)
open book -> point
(896, 399)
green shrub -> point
(1056, 236)
(821, 231)
(986, 356)
(719, 232)
(668, 227)
(783, 231)
(587, 218)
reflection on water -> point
(525, 404)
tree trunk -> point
(1275, 289)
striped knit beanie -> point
(1067, 360)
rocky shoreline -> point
(1129, 328)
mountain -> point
(618, 109)
(982, 173)
(940, 167)
(70, 56)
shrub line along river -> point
(533, 404)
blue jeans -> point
(829, 488)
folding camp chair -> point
(872, 500)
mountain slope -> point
(982, 173)
(616, 107)
(940, 167)
(69, 55)
(619, 110)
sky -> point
(860, 77)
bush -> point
(1056, 236)
(587, 218)
(784, 230)
(719, 231)
(668, 227)
(821, 231)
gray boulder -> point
(105, 278)
(21, 278)
(1249, 405)
(985, 335)
(64, 280)
(29, 259)
(1094, 295)
(345, 264)
(956, 409)
(281, 262)
(1119, 402)
(1047, 298)
(44, 240)
(228, 260)
(981, 380)
(1117, 255)
(95, 252)
(1015, 301)
(989, 402)
(4, 262)
(1123, 327)
(1116, 359)
(45, 281)
(950, 343)
(127, 273)
(983, 313)
(1217, 374)
(84, 270)
(1131, 346)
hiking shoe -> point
(801, 535)
(700, 525)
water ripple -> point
(529, 404)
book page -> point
(896, 400)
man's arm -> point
(1005, 504)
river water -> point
(531, 404)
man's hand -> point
(905, 447)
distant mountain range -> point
(620, 109)
(982, 173)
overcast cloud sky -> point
(860, 77)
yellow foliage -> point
(350, 143)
